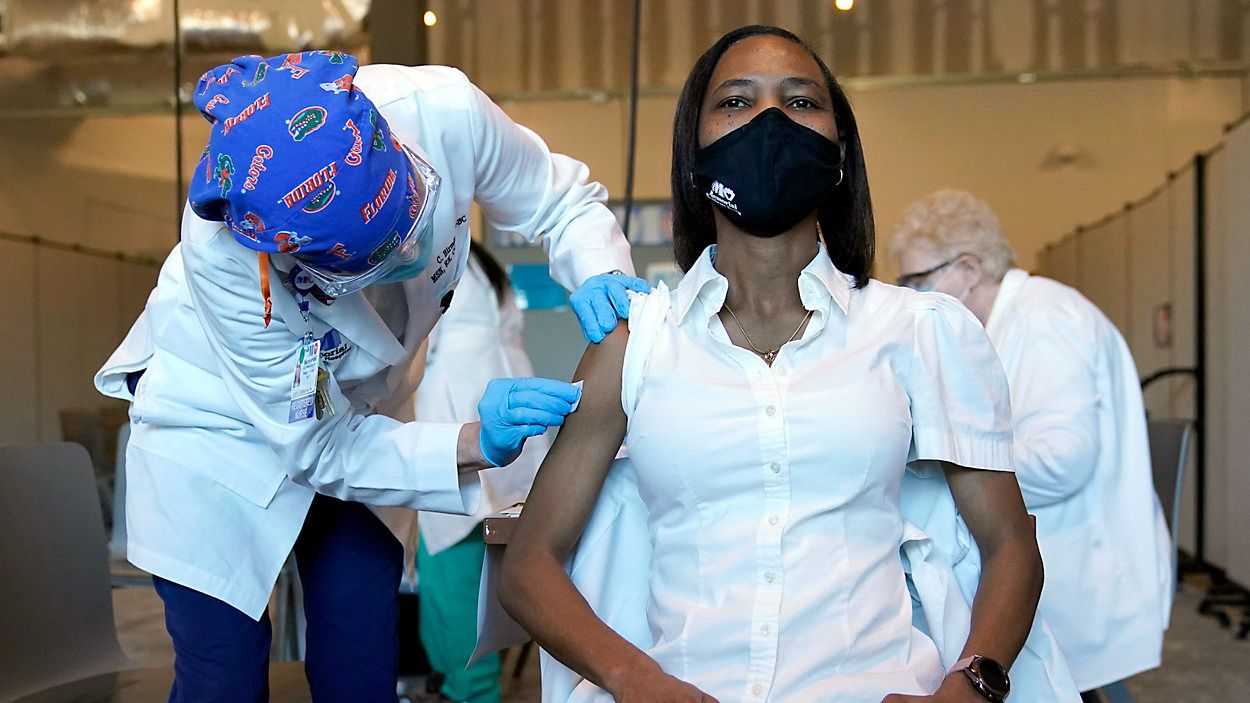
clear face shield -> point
(401, 250)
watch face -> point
(994, 676)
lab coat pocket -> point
(1086, 584)
(247, 470)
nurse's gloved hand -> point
(515, 409)
(603, 299)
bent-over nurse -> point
(325, 231)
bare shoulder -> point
(600, 374)
(605, 355)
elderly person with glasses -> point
(1080, 436)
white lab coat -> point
(1083, 463)
(479, 339)
(218, 481)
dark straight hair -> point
(845, 216)
(494, 270)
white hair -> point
(955, 222)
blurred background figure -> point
(1081, 451)
(478, 339)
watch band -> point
(970, 667)
(962, 664)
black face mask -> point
(769, 174)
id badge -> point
(304, 384)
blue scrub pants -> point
(350, 567)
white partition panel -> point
(1182, 390)
(1223, 350)
(1044, 266)
(1063, 261)
(1180, 194)
(1103, 269)
(1150, 296)
(1089, 245)
(1228, 487)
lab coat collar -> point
(819, 283)
(352, 315)
(1011, 285)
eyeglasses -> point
(913, 280)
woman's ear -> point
(971, 266)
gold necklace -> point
(768, 356)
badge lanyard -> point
(310, 387)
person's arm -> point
(1011, 575)
(962, 419)
(1054, 405)
(371, 459)
(533, 586)
(1011, 565)
(524, 187)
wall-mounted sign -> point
(1163, 325)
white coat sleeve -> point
(960, 408)
(1054, 403)
(370, 459)
(523, 187)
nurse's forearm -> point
(469, 456)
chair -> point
(84, 426)
(124, 574)
(117, 540)
(286, 612)
(1169, 453)
(56, 606)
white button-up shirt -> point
(1084, 469)
(773, 493)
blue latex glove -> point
(515, 409)
(601, 300)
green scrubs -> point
(447, 583)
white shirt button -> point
(771, 410)
(773, 520)
(757, 690)
(775, 467)
(783, 371)
(770, 576)
(765, 629)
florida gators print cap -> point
(300, 162)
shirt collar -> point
(819, 282)
(1011, 284)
